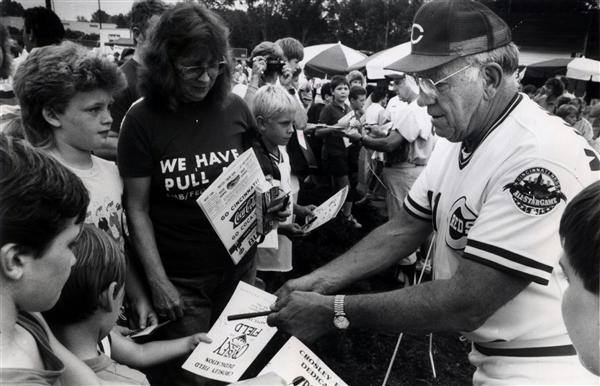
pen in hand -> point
(248, 315)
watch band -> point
(338, 305)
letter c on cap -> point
(413, 39)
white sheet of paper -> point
(301, 139)
(229, 204)
(269, 379)
(328, 210)
(235, 344)
(271, 240)
(295, 361)
(148, 330)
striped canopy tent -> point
(375, 64)
(325, 60)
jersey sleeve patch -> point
(508, 261)
(536, 191)
(416, 210)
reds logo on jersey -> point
(461, 219)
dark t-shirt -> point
(330, 115)
(124, 99)
(314, 111)
(183, 152)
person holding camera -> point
(268, 65)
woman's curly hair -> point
(184, 30)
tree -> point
(81, 18)
(73, 35)
(11, 8)
(100, 16)
(120, 20)
(305, 20)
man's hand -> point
(310, 282)
(167, 300)
(285, 78)
(305, 315)
(259, 65)
(353, 135)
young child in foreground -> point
(42, 206)
(88, 309)
(274, 109)
(580, 234)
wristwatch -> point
(340, 321)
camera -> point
(274, 65)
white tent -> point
(584, 69)
(376, 63)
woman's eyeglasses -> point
(212, 70)
(428, 86)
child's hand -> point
(291, 230)
(122, 330)
(196, 339)
(305, 211)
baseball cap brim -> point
(417, 63)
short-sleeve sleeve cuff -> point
(416, 210)
(508, 261)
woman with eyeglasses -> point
(173, 144)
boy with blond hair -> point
(274, 108)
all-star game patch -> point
(536, 191)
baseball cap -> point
(444, 30)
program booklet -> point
(298, 365)
(237, 343)
(229, 204)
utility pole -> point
(99, 14)
(49, 4)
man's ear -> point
(50, 116)
(108, 297)
(13, 261)
(493, 76)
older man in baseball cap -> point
(493, 193)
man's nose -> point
(425, 100)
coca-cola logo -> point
(243, 211)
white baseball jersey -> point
(501, 206)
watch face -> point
(341, 322)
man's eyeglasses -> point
(428, 86)
(212, 70)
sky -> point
(70, 9)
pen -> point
(248, 315)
